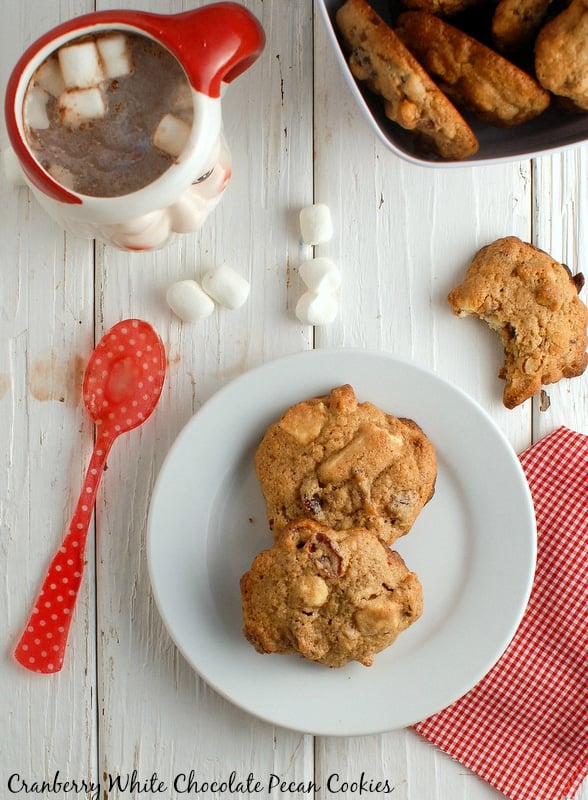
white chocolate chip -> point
(79, 105)
(320, 275)
(80, 65)
(316, 224)
(226, 286)
(317, 309)
(115, 55)
(188, 301)
(171, 135)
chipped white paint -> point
(126, 700)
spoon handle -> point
(42, 645)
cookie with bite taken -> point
(532, 302)
(330, 596)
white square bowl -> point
(552, 131)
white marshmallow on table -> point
(316, 224)
(79, 105)
(320, 275)
(35, 109)
(188, 301)
(226, 286)
(317, 308)
(115, 55)
(49, 77)
(80, 65)
(171, 135)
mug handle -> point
(214, 43)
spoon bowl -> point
(122, 385)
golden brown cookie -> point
(378, 58)
(561, 54)
(443, 7)
(532, 301)
(516, 22)
(330, 596)
(475, 77)
(346, 465)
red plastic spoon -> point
(122, 384)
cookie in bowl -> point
(330, 596)
(379, 59)
(561, 55)
(532, 302)
(345, 464)
(515, 22)
(475, 77)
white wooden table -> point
(126, 700)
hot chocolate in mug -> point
(115, 119)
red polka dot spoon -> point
(122, 384)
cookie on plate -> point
(379, 59)
(532, 301)
(516, 22)
(345, 464)
(474, 76)
(561, 54)
(330, 596)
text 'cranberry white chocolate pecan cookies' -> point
(531, 301)
(329, 596)
(345, 464)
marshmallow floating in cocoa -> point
(317, 308)
(320, 275)
(49, 77)
(226, 286)
(171, 135)
(79, 105)
(181, 101)
(114, 54)
(188, 301)
(35, 109)
(316, 224)
(80, 65)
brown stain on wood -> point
(5, 383)
(57, 378)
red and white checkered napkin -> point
(524, 727)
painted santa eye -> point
(203, 177)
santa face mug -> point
(115, 119)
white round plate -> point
(473, 547)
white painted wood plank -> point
(46, 330)
(155, 713)
(560, 214)
(404, 236)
